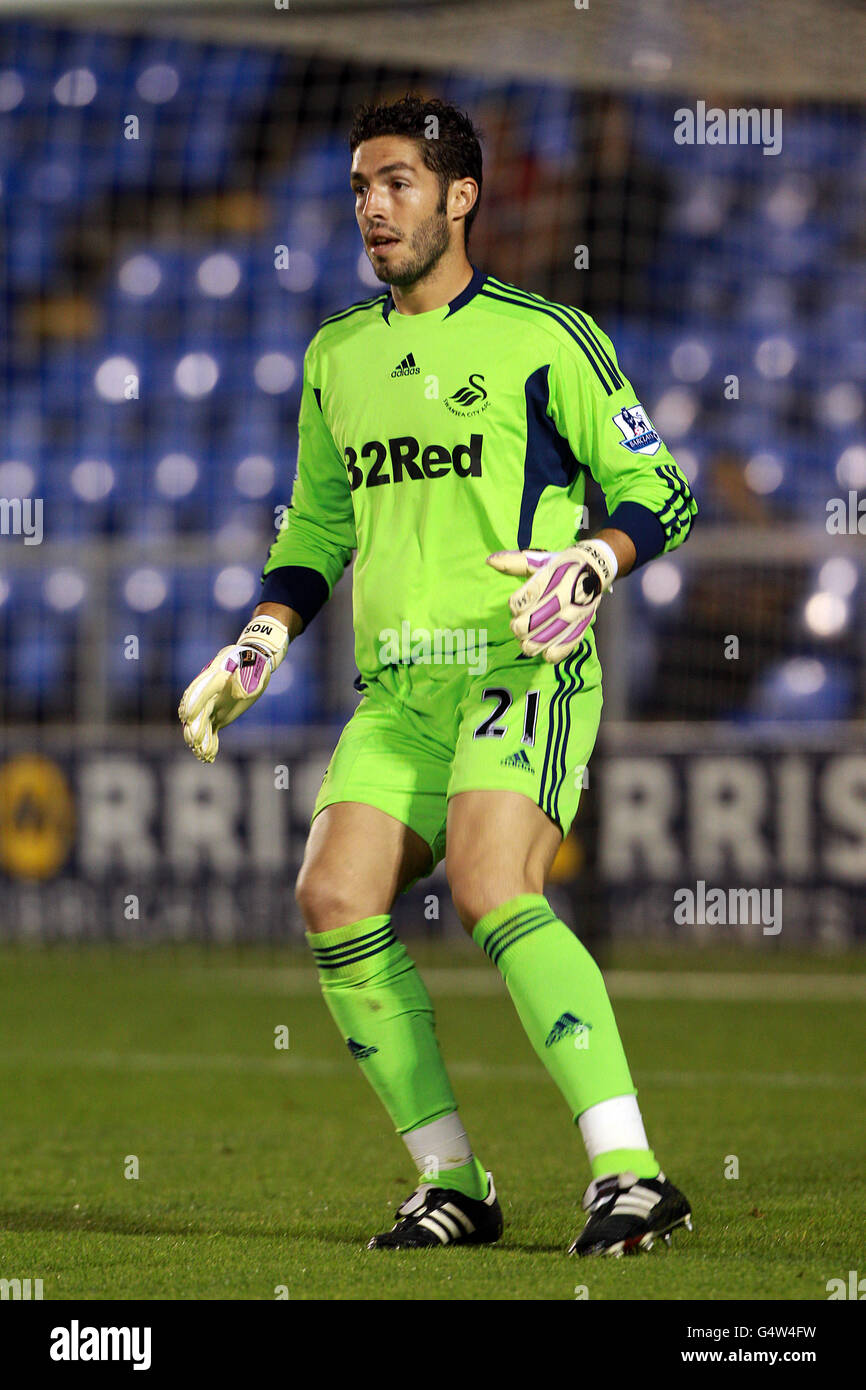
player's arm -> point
(650, 505)
(622, 545)
(312, 548)
(291, 621)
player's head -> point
(416, 175)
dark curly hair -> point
(455, 152)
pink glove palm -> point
(553, 609)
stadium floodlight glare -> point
(238, 538)
(851, 466)
(234, 586)
(704, 210)
(661, 582)
(689, 463)
(140, 275)
(838, 576)
(157, 83)
(841, 405)
(300, 274)
(789, 203)
(690, 360)
(804, 675)
(675, 412)
(274, 372)
(176, 475)
(764, 473)
(196, 374)
(145, 589)
(218, 275)
(111, 377)
(64, 589)
(651, 63)
(17, 479)
(77, 87)
(92, 479)
(254, 475)
(775, 357)
(11, 90)
(826, 614)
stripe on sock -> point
(517, 935)
(352, 944)
(511, 924)
(332, 957)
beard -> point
(423, 251)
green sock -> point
(562, 1002)
(385, 1015)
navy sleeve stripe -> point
(579, 318)
(305, 590)
(560, 314)
(570, 315)
(542, 309)
(644, 528)
(614, 371)
(676, 515)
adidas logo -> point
(517, 760)
(359, 1051)
(406, 367)
(564, 1026)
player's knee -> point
(474, 894)
(324, 902)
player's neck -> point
(443, 283)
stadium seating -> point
(757, 264)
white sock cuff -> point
(612, 1124)
(441, 1145)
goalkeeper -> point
(445, 430)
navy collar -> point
(474, 286)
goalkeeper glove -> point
(230, 683)
(552, 610)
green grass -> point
(261, 1168)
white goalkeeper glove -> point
(553, 609)
(230, 683)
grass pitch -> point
(264, 1171)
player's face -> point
(399, 209)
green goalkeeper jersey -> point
(427, 441)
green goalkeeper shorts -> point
(422, 733)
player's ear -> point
(462, 196)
